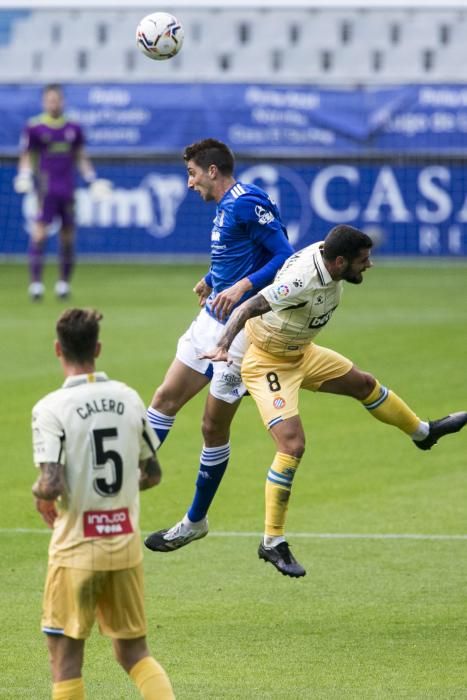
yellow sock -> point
(151, 680)
(278, 487)
(72, 689)
(387, 407)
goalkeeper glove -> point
(101, 188)
(23, 182)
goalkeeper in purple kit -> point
(248, 245)
(52, 148)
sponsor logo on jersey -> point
(278, 402)
(106, 523)
(215, 235)
(319, 321)
(298, 283)
(264, 216)
(282, 290)
(231, 379)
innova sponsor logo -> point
(152, 205)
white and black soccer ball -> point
(159, 36)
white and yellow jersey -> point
(302, 297)
(97, 429)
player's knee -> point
(129, 651)
(293, 445)
(366, 385)
(165, 402)
(214, 430)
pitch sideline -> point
(291, 535)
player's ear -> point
(212, 171)
(58, 348)
(98, 349)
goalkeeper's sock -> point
(160, 423)
(151, 680)
(36, 260)
(67, 260)
(72, 689)
(389, 408)
(213, 463)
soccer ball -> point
(159, 36)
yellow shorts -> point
(75, 598)
(274, 382)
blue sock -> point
(160, 423)
(213, 463)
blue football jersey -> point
(248, 239)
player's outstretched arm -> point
(150, 473)
(255, 306)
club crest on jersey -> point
(264, 216)
(281, 291)
(219, 219)
(278, 402)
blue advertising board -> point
(409, 210)
(272, 120)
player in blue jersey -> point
(248, 245)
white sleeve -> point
(289, 290)
(48, 437)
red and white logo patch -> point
(106, 523)
(278, 402)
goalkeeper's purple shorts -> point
(56, 205)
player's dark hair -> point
(52, 87)
(346, 241)
(78, 333)
(211, 152)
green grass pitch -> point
(376, 617)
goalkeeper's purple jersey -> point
(248, 239)
(53, 144)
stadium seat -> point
(411, 61)
(425, 29)
(237, 65)
(17, 63)
(302, 64)
(325, 28)
(104, 63)
(377, 28)
(353, 64)
(450, 63)
(60, 65)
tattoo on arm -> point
(255, 306)
(150, 473)
(51, 482)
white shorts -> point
(202, 335)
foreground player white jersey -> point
(302, 297)
(97, 429)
